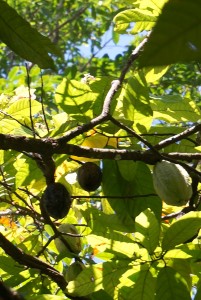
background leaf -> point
(25, 40)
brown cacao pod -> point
(56, 200)
(89, 176)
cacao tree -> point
(93, 149)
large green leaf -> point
(144, 288)
(97, 219)
(100, 276)
(147, 230)
(24, 40)
(171, 286)
(182, 230)
(175, 37)
(20, 109)
(174, 108)
(80, 100)
(136, 106)
(133, 196)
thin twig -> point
(178, 137)
(42, 102)
(30, 107)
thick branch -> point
(53, 146)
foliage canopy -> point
(124, 114)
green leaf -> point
(144, 288)
(174, 108)
(44, 297)
(175, 41)
(171, 286)
(136, 106)
(147, 230)
(152, 74)
(96, 277)
(112, 242)
(127, 169)
(133, 196)
(24, 40)
(183, 267)
(144, 20)
(76, 99)
(8, 126)
(182, 230)
(97, 219)
(20, 109)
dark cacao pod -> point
(56, 200)
(89, 176)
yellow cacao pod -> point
(73, 242)
(172, 183)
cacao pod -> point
(172, 183)
(73, 242)
(73, 271)
(89, 176)
(56, 200)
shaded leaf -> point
(144, 288)
(171, 286)
(176, 40)
(133, 196)
(24, 40)
(96, 277)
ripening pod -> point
(172, 183)
(74, 242)
(56, 200)
(89, 176)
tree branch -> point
(55, 146)
(178, 137)
(32, 262)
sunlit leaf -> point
(181, 230)
(147, 230)
(172, 108)
(136, 106)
